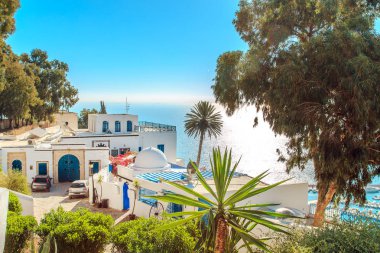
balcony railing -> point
(145, 126)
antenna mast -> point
(127, 106)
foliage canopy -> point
(313, 69)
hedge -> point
(79, 231)
(19, 231)
(140, 236)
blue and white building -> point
(67, 153)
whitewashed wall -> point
(289, 195)
(169, 139)
(113, 191)
(4, 194)
(132, 141)
(26, 202)
(32, 157)
(95, 122)
(116, 141)
(96, 155)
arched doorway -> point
(68, 168)
(17, 165)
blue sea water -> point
(256, 146)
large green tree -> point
(19, 94)
(203, 119)
(7, 27)
(313, 69)
(7, 20)
(83, 117)
(51, 83)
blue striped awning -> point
(175, 176)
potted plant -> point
(100, 181)
(136, 186)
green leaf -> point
(176, 214)
(179, 222)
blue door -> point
(68, 169)
(125, 197)
(42, 168)
(17, 165)
(129, 126)
(95, 167)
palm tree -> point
(203, 119)
(225, 217)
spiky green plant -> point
(225, 215)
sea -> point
(254, 146)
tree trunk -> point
(221, 235)
(200, 148)
(324, 198)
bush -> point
(14, 181)
(79, 231)
(19, 231)
(140, 236)
(14, 204)
(360, 237)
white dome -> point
(150, 158)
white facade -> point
(95, 122)
(135, 138)
(108, 134)
(4, 195)
(30, 157)
(151, 164)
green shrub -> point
(14, 204)
(15, 181)
(359, 237)
(140, 236)
(19, 231)
(79, 231)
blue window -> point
(140, 148)
(117, 126)
(161, 147)
(17, 165)
(129, 126)
(105, 126)
(146, 192)
(174, 208)
(42, 168)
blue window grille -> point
(117, 126)
(161, 147)
(146, 192)
(174, 208)
(129, 126)
(105, 126)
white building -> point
(66, 154)
(151, 166)
(123, 132)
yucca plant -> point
(225, 215)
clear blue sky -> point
(148, 50)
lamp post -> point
(92, 179)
